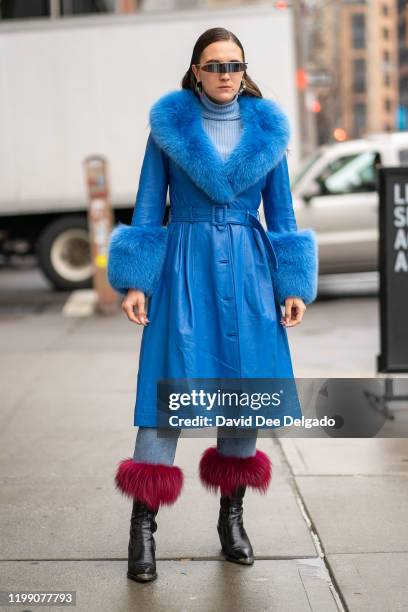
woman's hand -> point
(294, 311)
(135, 299)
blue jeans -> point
(150, 447)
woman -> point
(215, 279)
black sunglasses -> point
(224, 66)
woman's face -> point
(219, 86)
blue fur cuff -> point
(297, 255)
(136, 256)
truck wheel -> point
(63, 252)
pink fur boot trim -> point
(151, 483)
(229, 472)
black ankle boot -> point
(233, 537)
(142, 547)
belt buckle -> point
(220, 222)
(252, 213)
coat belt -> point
(221, 215)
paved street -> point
(331, 533)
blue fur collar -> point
(176, 126)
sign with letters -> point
(393, 262)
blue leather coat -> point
(215, 277)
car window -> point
(403, 157)
(350, 174)
(307, 163)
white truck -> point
(78, 86)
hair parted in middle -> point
(207, 38)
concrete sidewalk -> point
(331, 533)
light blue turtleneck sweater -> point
(222, 123)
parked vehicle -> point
(335, 193)
(78, 86)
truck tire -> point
(63, 252)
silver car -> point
(335, 193)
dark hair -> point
(209, 36)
